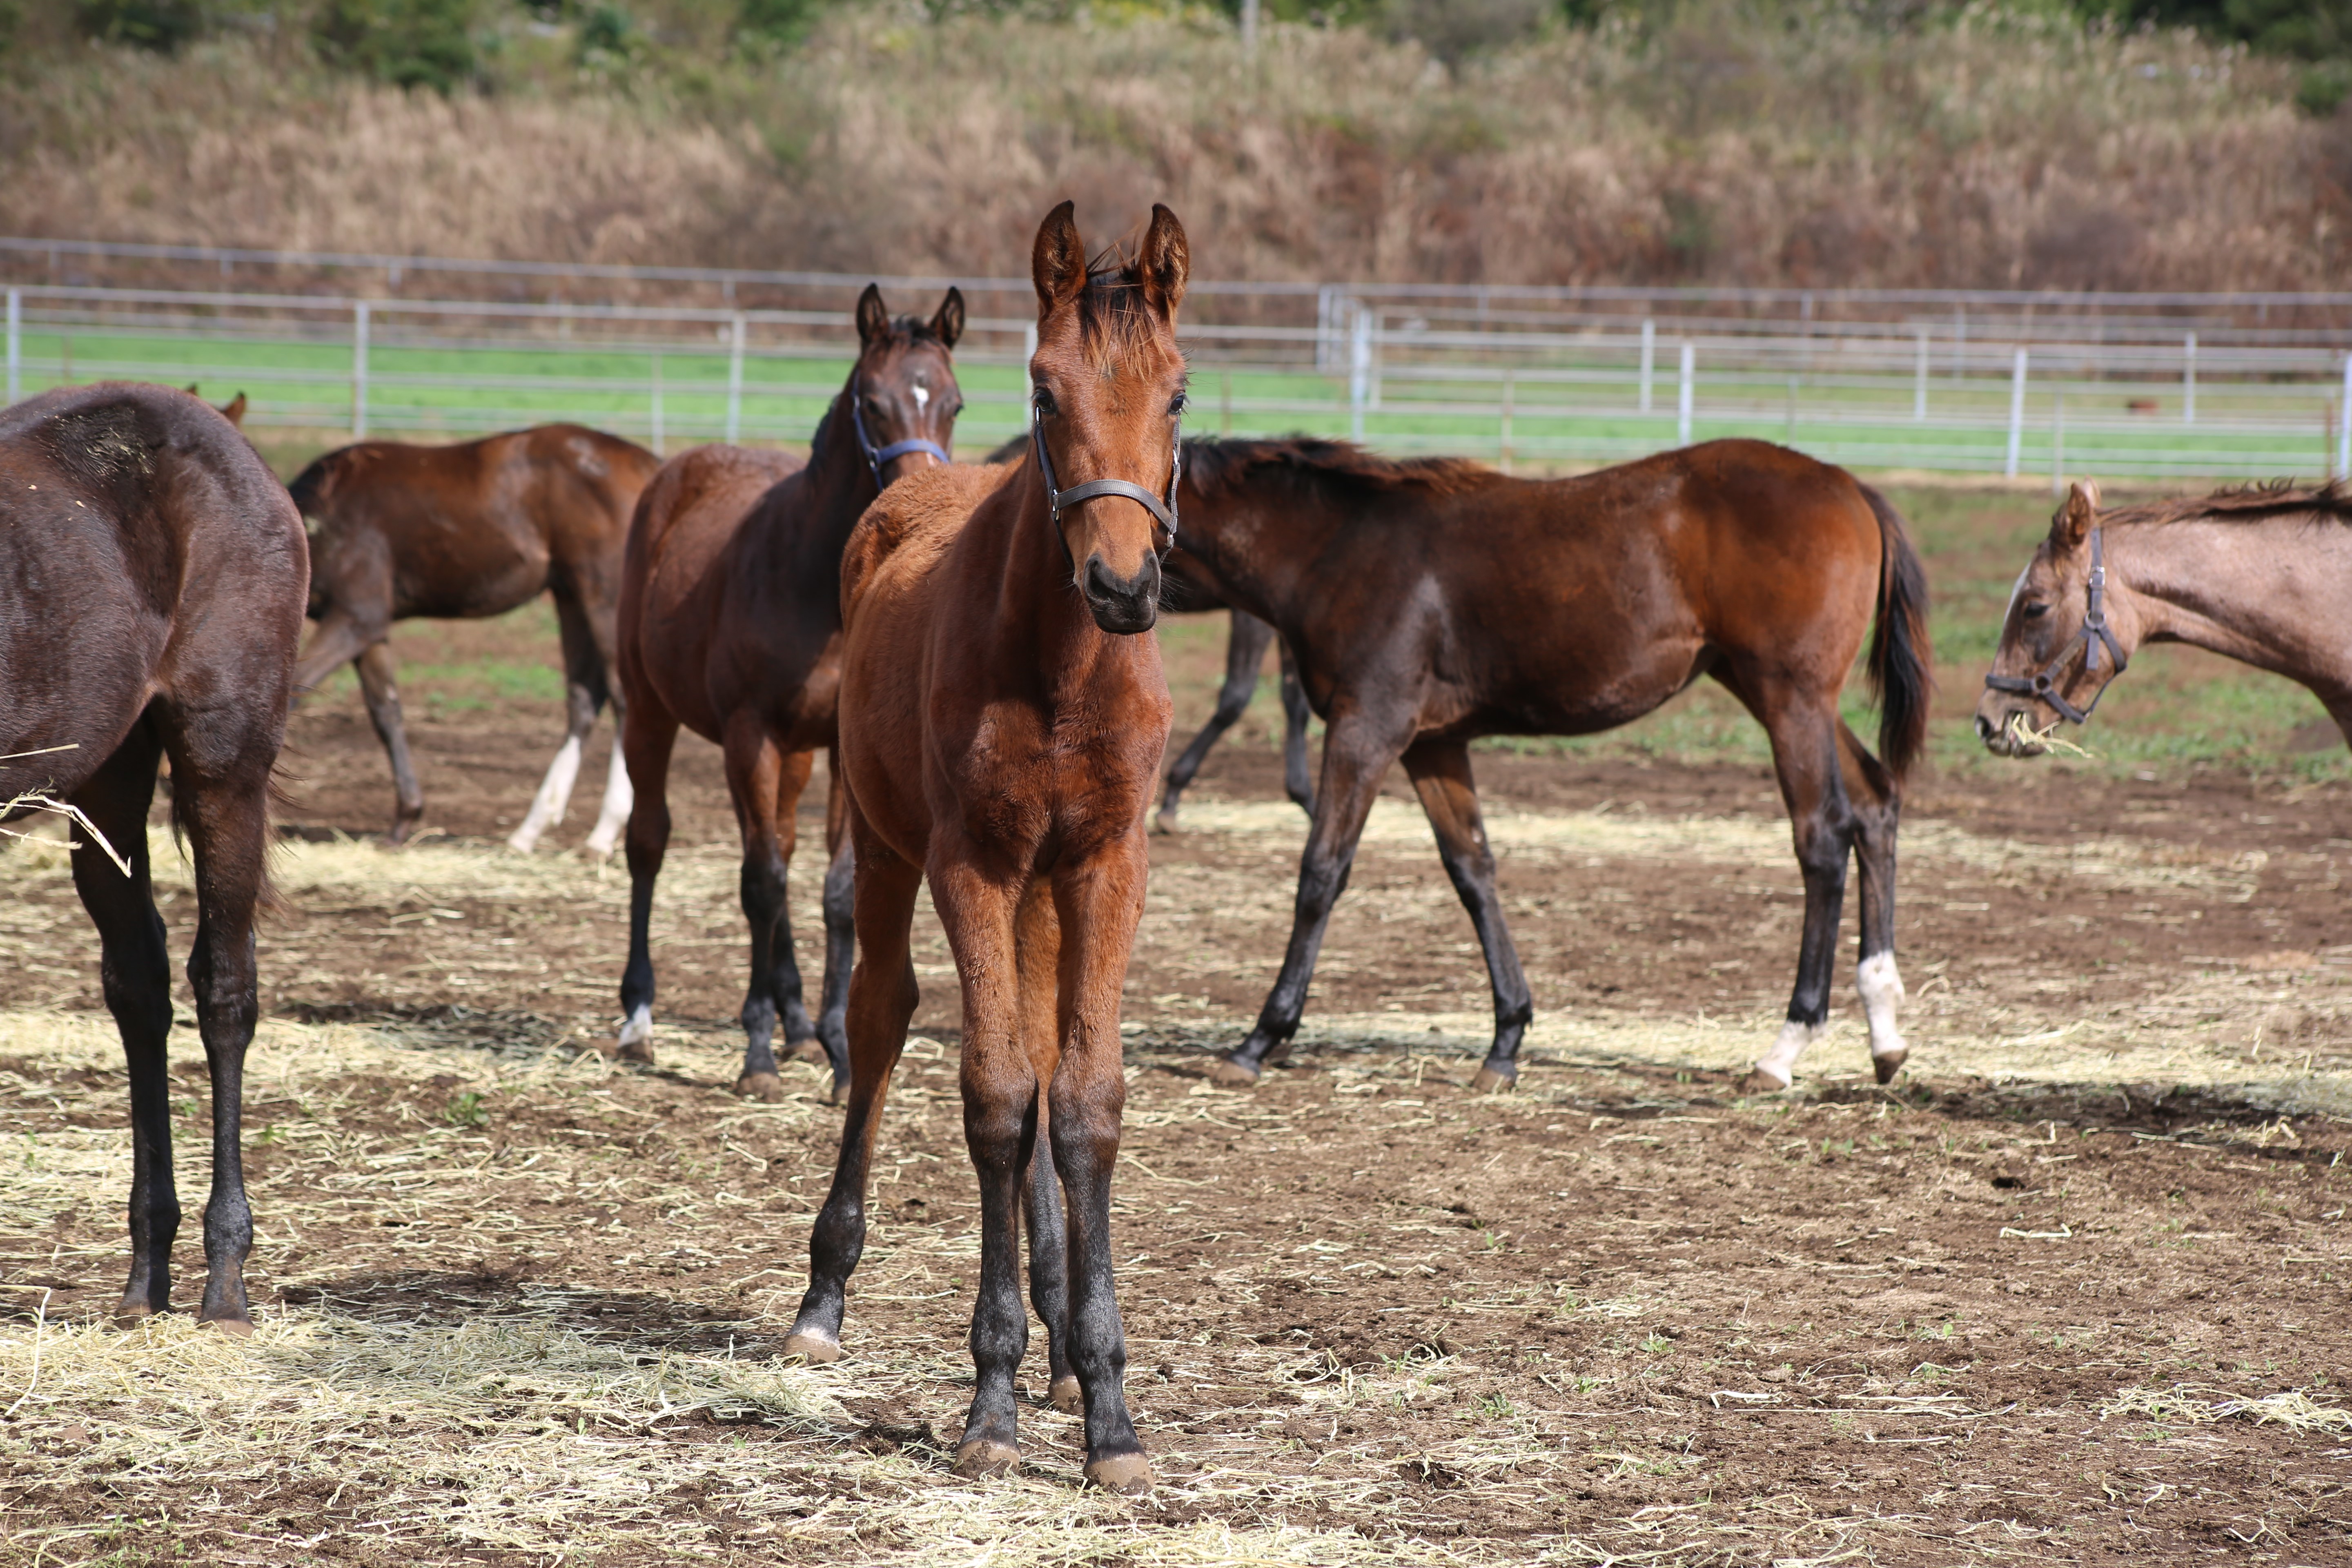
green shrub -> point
(777, 24)
(408, 43)
(159, 25)
(2323, 89)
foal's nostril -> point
(1984, 728)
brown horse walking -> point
(1432, 601)
(155, 577)
(1001, 724)
(731, 625)
(462, 532)
(2262, 574)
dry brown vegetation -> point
(1993, 150)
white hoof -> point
(1882, 992)
(1780, 1063)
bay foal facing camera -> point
(1002, 725)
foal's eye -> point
(2033, 612)
(1044, 401)
(1177, 405)
(956, 410)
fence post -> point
(735, 379)
(2016, 413)
(2189, 380)
(2344, 426)
(15, 344)
(1249, 29)
(1326, 351)
(2058, 447)
(1682, 402)
(658, 405)
(359, 369)
(1919, 382)
(1649, 360)
(1510, 387)
(1359, 372)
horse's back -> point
(147, 553)
(907, 529)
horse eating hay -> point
(156, 576)
(1002, 721)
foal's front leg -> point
(1354, 759)
(1000, 1129)
(1100, 901)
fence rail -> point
(2123, 393)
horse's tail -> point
(1902, 661)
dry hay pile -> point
(520, 1305)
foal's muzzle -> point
(1123, 606)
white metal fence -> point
(2122, 386)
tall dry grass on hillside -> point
(1995, 149)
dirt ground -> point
(2072, 1290)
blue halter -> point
(877, 456)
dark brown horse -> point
(465, 532)
(1001, 723)
(155, 576)
(731, 625)
(1432, 602)
(2262, 574)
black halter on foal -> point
(1056, 498)
(877, 456)
(2044, 684)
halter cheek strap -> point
(2043, 684)
(1057, 499)
(877, 456)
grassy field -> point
(1568, 412)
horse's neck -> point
(1041, 619)
(1255, 548)
(2276, 594)
(840, 486)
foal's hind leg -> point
(224, 808)
(584, 699)
(1244, 651)
(1441, 775)
(766, 783)
(882, 998)
(376, 683)
(840, 929)
(137, 974)
(1877, 810)
(1803, 727)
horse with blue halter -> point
(731, 625)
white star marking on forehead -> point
(922, 397)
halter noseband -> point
(2044, 684)
(1056, 498)
(877, 456)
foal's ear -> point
(873, 319)
(1057, 263)
(1164, 262)
(948, 325)
(2072, 523)
(234, 411)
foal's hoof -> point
(1489, 1081)
(1231, 1074)
(839, 1093)
(815, 1348)
(1165, 821)
(1067, 1396)
(764, 1086)
(238, 1327)
(1758, 1081)
(986, 1457)
(811, 1050)
(1125, 1475)
(1889, 1065)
